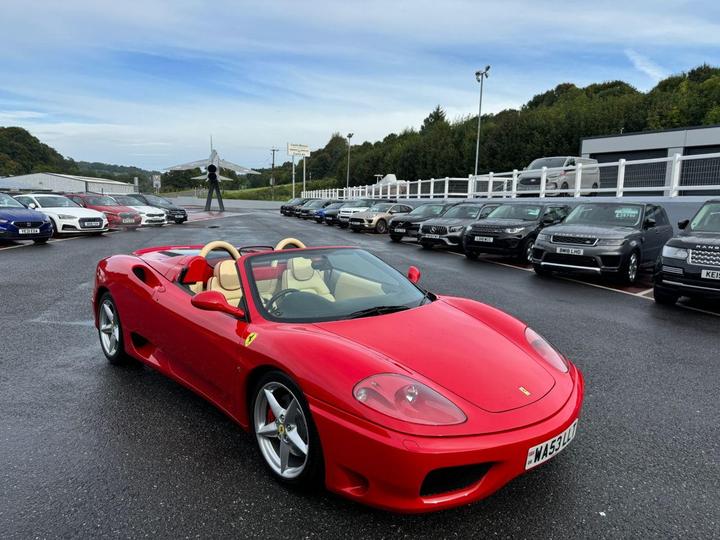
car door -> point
(653, 239)
(204, 347)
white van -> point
(561, 174)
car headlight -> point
(4, 221)
(456, 228)
(406, 399)
(551, 185)
(675, 253)
(611, 242)
(543, 237)
(515, 230)
(545, 350)
(108, 214)
(65, 216)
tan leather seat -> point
(302, 276)
(225, 280)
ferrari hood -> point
(454, 350)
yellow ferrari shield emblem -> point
(251, 337)
(524, 390)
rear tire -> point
(288, 442)
(665, 298)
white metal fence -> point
(669, 176)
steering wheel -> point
(219, 245)
(277, 296)
(289, 243)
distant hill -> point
(22, 153)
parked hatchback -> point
(511, 229)
(609, 239)
(20, 223)
(690, 263)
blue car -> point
(20, 223)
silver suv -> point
(560, 176)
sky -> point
(147, 82)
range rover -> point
(608, 239)
(690, 262)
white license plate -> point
(399, 230)
(433, 236)
(570, 251)
(344, 218)
(486, 239)
(128, 220)
(546, 450)
(29, 231)
(92, 224)
(710, 274)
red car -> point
(119, 217)
(349, 374)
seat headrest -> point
(227, 275)
(301, 268)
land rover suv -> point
(690, 262)
(511, 229)
(608, 239)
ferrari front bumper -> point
(406, 473)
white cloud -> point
(645, 65)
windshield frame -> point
(14, 203)
(637, 225)
(708, 204)
(148, 197)
(540, 207)
(477, 207)
(418, 211)
(423, 295)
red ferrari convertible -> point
(348, 373)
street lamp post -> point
(480, 76)
(347, 183)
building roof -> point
(74, 177)
(648, 132)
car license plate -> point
(29, 231)
(486, 239)
(544, 451)
(432, 236)
(710, 274)
(570, 251)
(92, 224)
(128, 220)
(399, 230)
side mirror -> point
(413, 274)
(215, 301)
(649, 223)
(683, 224)
(547, 220)
(32, 206)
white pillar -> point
(620, 178)
(578, 178)
(543, 182)
(514, 183)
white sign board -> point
(156, 181)
(298, 150)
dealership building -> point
(49, 182)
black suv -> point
(511, 229)
(307, 211)
(285, 208)
(409, 224)
(609, 239)
(174, 212)
(690, 262)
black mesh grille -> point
(95, 222)
(23, 224)
(705, 257)
(575, 260)
(580, 240)
(453, 478)
(434, 229)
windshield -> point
(315, 204)
(707, 219)
(382, 207)
(525, 212)
(154, 199)
(611, 215)
(125, 200)
(549, 162)
(6, 201)
(54, 201)
(293, 201)
(333, 206)
(427, 210)
(463, 211)
(328, 285)
(101, 201)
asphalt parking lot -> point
(89, 450)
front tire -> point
(630, 268)
(110, 332)
(526, 249)
(381, 227)
(285, 432)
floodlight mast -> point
(480, 76)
